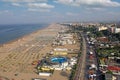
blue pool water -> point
(58, 59)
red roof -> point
(115, 68)
(103, 39)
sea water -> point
(12, 32)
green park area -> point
(108, 52)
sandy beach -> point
(16, 57)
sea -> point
(14, 31)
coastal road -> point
(91, 60)
(83, 60)
(80, 71)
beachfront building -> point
(62, 55)
(48, 65)
(64, 38)
(60, 51)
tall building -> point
(117, 30)
(111, 29)
(102, 28)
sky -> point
(50, 11)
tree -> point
(99, 34)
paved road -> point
(83, 61)
(80, 71)
(92, 60)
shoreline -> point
(17, 59)
(8, 48)
(19, 38)
(26, 41)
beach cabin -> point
(39, 79)
(60, 53)
(45, 74)
(60, 49)
(45, 71)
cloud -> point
(103, 3)
(71, 14)
(31, 5)
(40, 5)
(96, 9)
(16, 4)
(67, 2)
(6, 12)
(24, 0)
(38, 10)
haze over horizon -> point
(48, 11)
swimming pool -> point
(58, 59)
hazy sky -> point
(39, 11)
